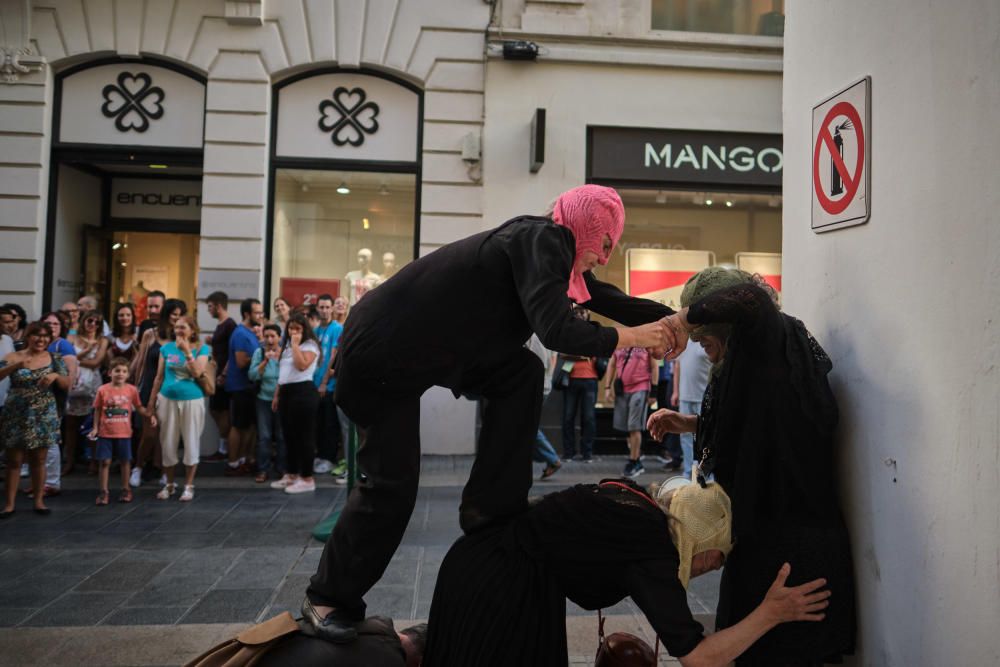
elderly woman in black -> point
(500, 597)
(458, 318)
(766, 432)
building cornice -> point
(747, 53)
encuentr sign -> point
(155, 199)
(682, 158)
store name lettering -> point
(157, 199)
(741, 158)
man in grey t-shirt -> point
(690, 380)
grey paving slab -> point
(229, 606)
(275, 537)
(121, 577)
(10, 616)
(145, 616)
(183, 539)
(173, 591)
(37, 591)
(392, 601)
(77, 609)
(260, 568)
(203, 561)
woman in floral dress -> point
(30, 422)
(91, 348)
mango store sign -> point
(238, 285)
(685, 158)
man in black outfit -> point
(458, 318)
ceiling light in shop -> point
(729, 204)
(157, 166)
(365, 223)
(343, 189)
(124, 263)
(708, 202)
(661, 197)
(116, 246)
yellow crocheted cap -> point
(704, 521)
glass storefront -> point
(742, 17)
(724, 225)
(339, 232)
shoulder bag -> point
(249, 646)
(207, 379)
(619, 385)
(622, 649)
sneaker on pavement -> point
(340, 468)
(340, 479)
(322, 466)
(285, 481)
(135, 479)
(627, 470)
(163, 479)
(300, 486)
(634, 469)
(588, 459)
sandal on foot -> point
(125, 496)
(188, 494)
(166, 491)
(102, 498)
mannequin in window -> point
(388, 266)
(138, 297)
(363, 279)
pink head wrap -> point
(590, 212)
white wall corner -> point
(245, 12)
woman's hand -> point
(46, 380)
(272, 354)
(678, 333)
(274, 403)
(152, 421)
(184, 346)
(799, 603)
(665, 421)
(295, 337)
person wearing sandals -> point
(264, 373)
(178, 399)
(112, 430)
(31, 421)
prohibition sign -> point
(851, 181)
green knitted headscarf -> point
(705, 282)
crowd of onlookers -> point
(76, 390)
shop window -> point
(339, 232)
(742, 17)
(726, 228)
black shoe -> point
(335, 627)
(44, 511)
(6, 515)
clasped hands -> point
(665, 338)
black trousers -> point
(297, 403)
(378, 509)
(327, 428)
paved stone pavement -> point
(154, 582)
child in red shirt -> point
(113, 407)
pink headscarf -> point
(590, 212)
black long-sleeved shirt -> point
(470, 306)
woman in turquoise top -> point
(178, 399)
(264, 371)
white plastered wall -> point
(437, 44)
(908, 307)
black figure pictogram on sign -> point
(836, 184)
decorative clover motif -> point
(133, 102)
(348, 117)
